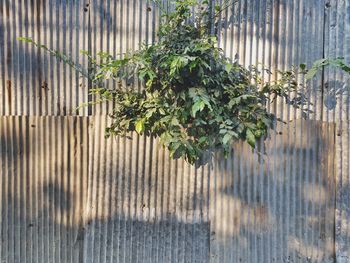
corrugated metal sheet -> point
(337, 109)
(33, 83)
(118, 26)
(43, 188)
(68, 195)
(278, 207)
(146, 208)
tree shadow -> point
(286, 201)
(42, 188)
(138, 204)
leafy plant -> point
(319, 64)
(193, 98)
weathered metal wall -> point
(43, 186)
(69, 195)
(336, 101)
(33, 83)
(246, 209)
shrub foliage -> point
(193, 97)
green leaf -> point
(25, 39)
(227, 138)
(203, 139)
(175, 121)
(250, 138)
(311, 73)
(228, 67)
(223, 131)
(84, 52)
(150, 113)
(140, 126)
(198, 106)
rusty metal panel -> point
(32, 82)
(43, 186)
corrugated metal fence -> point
(69, 195)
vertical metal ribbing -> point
(4, 58)
(2, 176)
(50, 191)
(153, 237)
(336, 102)
(142, 205)
(37, 204)
(32, 83)
(2, 55)
(118, 27)
(107, 168)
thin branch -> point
(226, 4)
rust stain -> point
(44, 85)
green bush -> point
(193, 98)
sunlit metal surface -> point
(69, 195)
